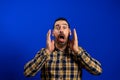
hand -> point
(49, 43)
(74, 42)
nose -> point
(61, 30)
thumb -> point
(52, 44)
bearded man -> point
(62, 59)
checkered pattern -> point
(60, 65)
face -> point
(61, 32)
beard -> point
(62, 43)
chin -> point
(62, 43)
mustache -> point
(61, 34)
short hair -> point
(61, 18)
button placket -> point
(60, 78)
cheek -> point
(55, 32)
(67, 32)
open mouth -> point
(61, 38)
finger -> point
(52, 42)
(52, 46)
(75, 35)
(48, 35)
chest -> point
(61, 61)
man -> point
(62, 59)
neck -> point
(61, 47)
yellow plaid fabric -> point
(59, 65)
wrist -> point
(47, 51)
(78, 50)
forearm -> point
(90, 64)
(33, 66)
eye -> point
(57, 27)
(64, 27)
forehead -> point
(60, 22)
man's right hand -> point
(49, 43)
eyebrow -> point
(62, 24)
(57, 25)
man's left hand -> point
(74, 42)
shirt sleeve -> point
(89, 63)
(34, 65)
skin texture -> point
(61, 29)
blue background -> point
(24, 24)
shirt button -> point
(61, 68)
(60, 77)
(63, 65)
(53, 61)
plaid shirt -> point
(59, 65)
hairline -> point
(61, 19)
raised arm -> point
(33, 66)
(90, 64)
